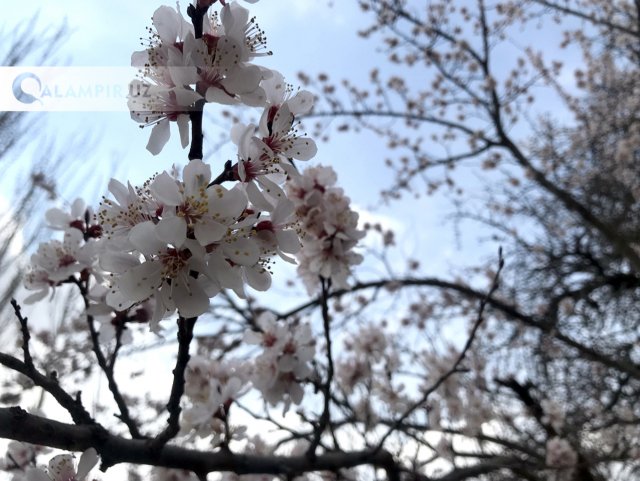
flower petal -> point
(159, 137)
(144, 238)
(172, 230)
(302, 148)
(190, 298)
(165, 189)
(258, 277)
(301, 103)
(88, 460)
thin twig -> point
(479, 319)
(185, 335)
(124, 415)
(26, 336)
(326, 386)
(50, 384)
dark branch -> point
(107, 368)
(17, 424)
(185, 335)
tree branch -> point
(17, 424)
(185, 335)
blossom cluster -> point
(560, 454)
(285, 362)
(168, 246)
(330, 227)
(181, 241)
(176, 241)
(180, 69)
(210, 389)
(278, 373)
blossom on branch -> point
(280, 370)
(330, 227)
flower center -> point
(173, 261)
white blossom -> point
(61, 468)
(330, 228)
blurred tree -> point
(468, 86)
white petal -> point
(258, 277)
(275, 88)
(243, 80)
(227, 203)
(196, 175)
(190, 298)
(61, 468)
(144, 238)
(242, 251)
(282, 212)
(140, 282)
(288, 240)
(165, 189)
(209, 231)
(57, 218)
(238, 131)
(218, 96)
(300, 103)
(227, 276)
(186, 97)
(272, 189)
(183, 129)
(116, 299)
(165, 20)
(257, 198)
(139, 58)
(36, 296)
(116, 261)
(282, 121)
(119, 191)
(88, 460)
(234, 18)
(36, 474)
(257, 98)
(286, 258)
(78, 208)
(159, 137)
(172, 230)
(302, 148)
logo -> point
(27, 88)
(71, 89)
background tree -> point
(559, 197)
(544, 383)
(32, 163)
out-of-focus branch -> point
(588, 17)
(511, 311)
(325, 417)
(125, 415)
(50, 384)
(454, 368)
